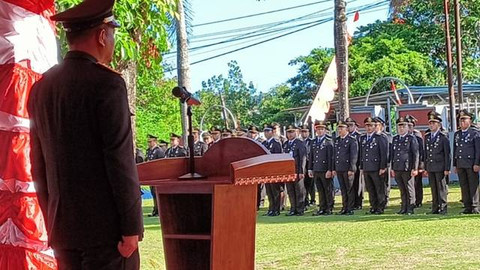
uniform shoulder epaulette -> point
(108, 68)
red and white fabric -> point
(27, 49)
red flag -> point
(394, 89)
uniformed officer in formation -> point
(154, 152)
(321, 167)
(373, 164)
(199, 147)
(345, 165)
(207, 138)
(466, 161)
(358, 183)
(309, 183)
(176, 150)
(253, 133)
(380, 129)
(405, 158)
(227, 133)
(277, 131)
(240, 132)
(437, 162)
(421, 155)
(216, 133)
(296, 190)
(273, 189)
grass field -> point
(389, 241)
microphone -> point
(185, 96)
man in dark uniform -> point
(345, 155)
(309, 183)
(437, 162)
(272, 189)
(240, 132)
(216, 133)
(380, 129)
(358, 182)
(226, 133)
(404, 156)
(154, 152)
(321, 167)
(296, 190)
(199, 147)
(277, 131)
(176, 150)
(373, 164)
(253, 134)
(207, 138)
(82, 149)
(466, 161)
(139, 156)
(421, 155)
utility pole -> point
(448, 46)
(458, 41)
(183, 64)
(341, 55)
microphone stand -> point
(192, 175)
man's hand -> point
(446, 173)
(476, 168)
(310, 173)
(128, 245)
(301, 176)
(382, 171)
(328, 174)
(414, 173)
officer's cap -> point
(195, 130)
(226, 131)
(342, 123)
(215, 129)
(319, 124)
(411, 119)
(163, 142)
(402, 121)
(464, 114)
(173, 135)
(150, 136)
(369, 121)
(87, 14)
(268, 127)
(206, 135)
(252, 129)
(379, 120)
(434, 117)
(305, 128)
(275, 124)
(350, 121)
(291, 128)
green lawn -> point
(361, 241)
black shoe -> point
(327, 213)
(401, 212)
(269, 213)
(359, 207)
(291, 213)
(275, 213)
(153, 214)
(434, 212)
(318, 213)
(442, 212)
(300, 213)
(378, 212)
(466, 211)
(342, 212)
(371, 211)
(475, 211)
(418, 205)
(349, 213)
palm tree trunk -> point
(341, 55)
(183, 64)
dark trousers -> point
(407, 189)
(469, 187)
(376, 189)
(359, 187)
(309, 190)
(388, 185)
(296, 195)
(154, 195)
(260, 195)
(325, 190)
(98, 258)
(273, 193)
(348, 192)
(438, 185)
(419, 189)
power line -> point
(262, 13)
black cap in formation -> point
(275, 124)
(350, 121)
(163, 142)
(342, 124)
(206, 134)
(464, 114)
(215, 129)
(411, 119)
(195, 130)
(369, 121)
(379, 120)
(150, 136)
(267, 127)
(252, 129)
(305, 128)
(402, 121)
(434, 117)
(173, 135)
(319, 124)
(226, 131)
(291, 128)
(87, 14)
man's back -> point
(82, 154)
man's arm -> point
(113, 115)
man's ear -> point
(102, 36)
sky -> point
(266, 65)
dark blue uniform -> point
(296, 190)
(178, 151)
(373, 158)
(405, 158)
(199, 148)
(437, 160)
(273, 189)
(309, 182)
(152, 154)
(345, 160)
(466, 150)
(321, 161)
(418, 180)
(358, 181)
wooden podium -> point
(210, 223)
